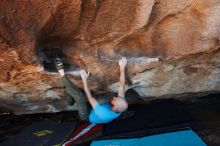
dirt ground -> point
(206, 113)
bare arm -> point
(91, 99)
(122, 65)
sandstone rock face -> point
(172, 48)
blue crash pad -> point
(178, 138)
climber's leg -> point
(70, 101)
(78, 96)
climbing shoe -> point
(58, 63)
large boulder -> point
(172, 48)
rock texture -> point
(93, 34)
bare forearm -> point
(91, 99)
(86, 88)
(121, 91)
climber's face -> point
(118, 104)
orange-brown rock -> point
(94, 34)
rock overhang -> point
(182, 37)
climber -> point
(101, 112)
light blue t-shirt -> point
(102, 113)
